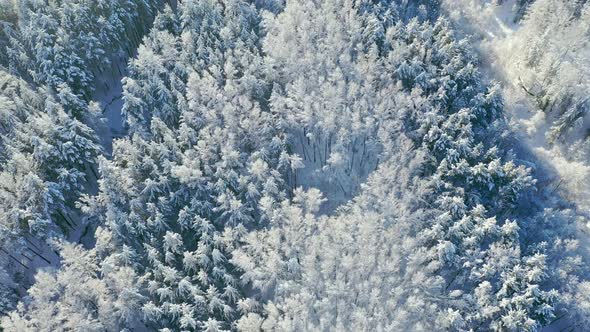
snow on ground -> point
(109, 93)
(336, 183)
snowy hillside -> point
(279, 165)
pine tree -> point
(203, 153)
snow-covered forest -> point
(294, 165)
